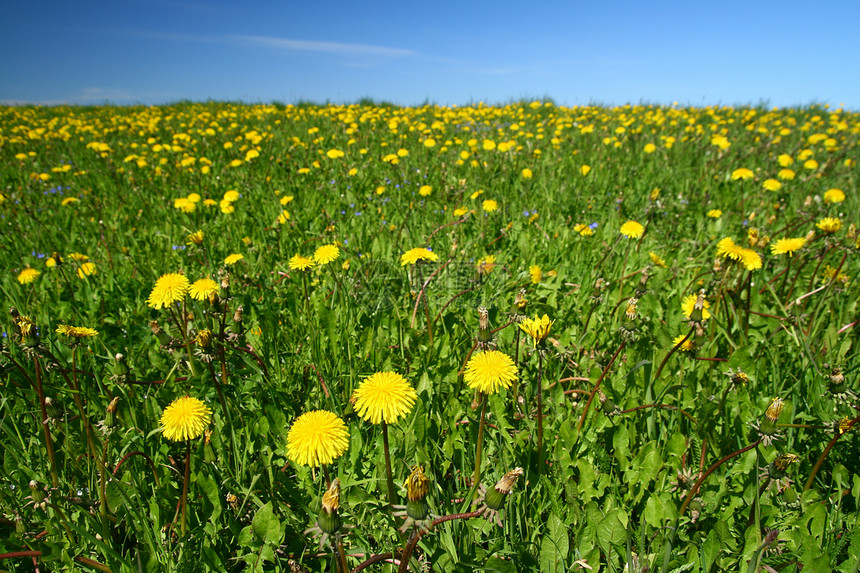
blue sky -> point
(698, 53)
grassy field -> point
(239, 334)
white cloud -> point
(292, 45)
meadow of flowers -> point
(503, 338)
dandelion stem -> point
(341, 556)
(49, 443)
(185, 485)
(419, 532)
(597, 385)
(517, 366)
(476, 478)
(827, 451)
(621, 279)
(389, 479)
(540, 412)
(692, 493)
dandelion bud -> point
(630, 311)
(19, 524)
(37, 494)
(771, 416)
(204, 338)
(120, 368)
(752, 237)
(51, 408)
(809, 236)
(496, 496)
(607, 404)
(520, 301)
(232, 501)
(417, 487)
(782, 462)
(852, 231)
(163, 337)
(110, 416)
(238, 315)
(208, 452)
(837, 381)
(329, 520)
(738, 377)
(484, 333)
(28, 330)
(698, 307)
(718, 265)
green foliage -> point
(655, 455)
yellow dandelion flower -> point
(300, 263)
(687, 346)
(535, 273)
(316, 438)
(185, 419)
(585, 170)
(714, 214)
(334, 153)
(688, 304)
(742, 173)
(326, 254)
(771, 185)
(789, 246)
(195, 238)
(412, 256)
(649, 148)
(384, 397)
(727, 249)
(486, 264)
(834, 196)
(490, 205)
(583, 230)
(76, 331)
(425, 190)
(28, 275)
(750, 259)
(203, 289)
(460, 211)
(785, 160)
(829, 224)
(537, 328)
(490, 370)
(632, 229)
(785, 174)
(78, 257)
(233, 259)
(810, 164)
(527, 173)
(657, 260)
(168, 289)
(231, 196)
(86, 270)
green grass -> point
(619, 460)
